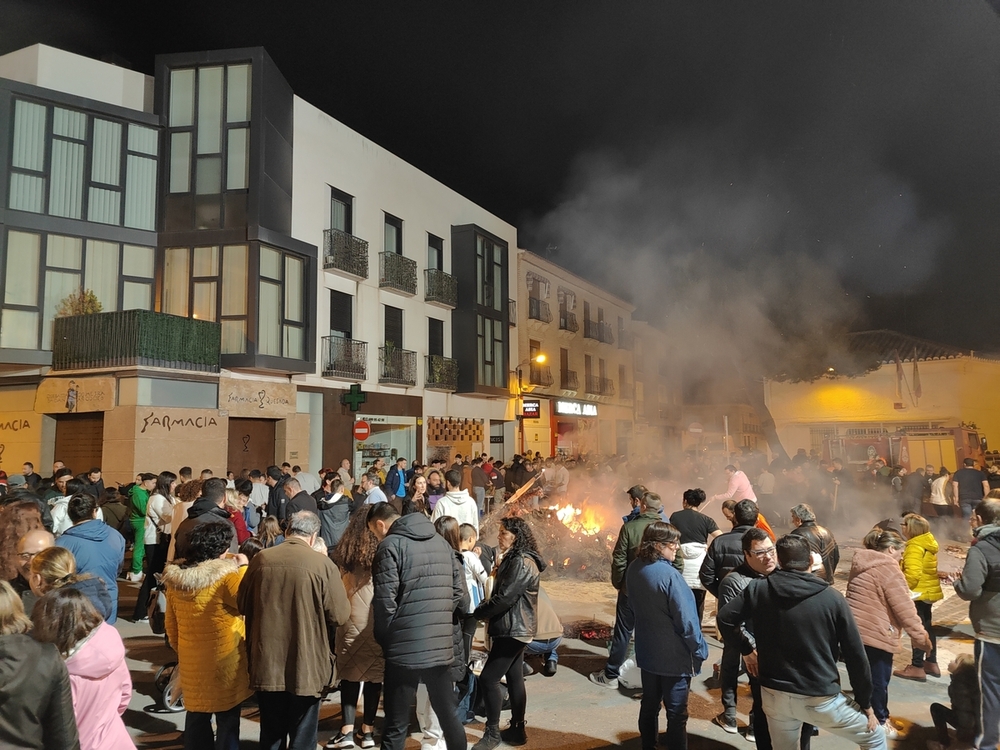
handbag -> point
(156, 608)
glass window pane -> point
(206, 261)
(106, 155)
(18, 329)
(181, 98)
(294, 342)
(27, 192)
(234, 336)
(338, 215)
(238, 94)
(180, 162)
(24, 252)
(29, 136)
(204, 300)
(391, 240)
(140, 192)
(142, 139)
(104, 205)
(137, 296)
(294, 269)
(101, 274)
(175, 281)
(68, 123)
(137, 261)
(209, 110)
(238, 157)
(234, 280)
(64, 252)
(269, 319)
(270, 264)
(58, 286)
(66, 188)
(208, 180)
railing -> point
(345, 252)
(627, 391)
(598, 330)
(538, 309)
(569, 381)
(397, 272)
(540, 375)
(441, 373)
(624, 339)
(512, 312)
(440, 287)
(567, 321)
(600, 386)
(133, 338)
(397, 366)
(345, 358)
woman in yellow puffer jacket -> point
(207, 632)
(921, 571)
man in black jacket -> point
(277, 498)
(725, 553)
(802, 625)
(819, 538)
(206, 509)
(419, 587)
(299, 499)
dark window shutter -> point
(340, 314)
(394, 326)
(435, 337)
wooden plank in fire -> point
(523, 488)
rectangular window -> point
(107, 152)
(435, 252)
(27, 178)
(281, 320)
(341, 210)
(66, 189)
(209, 115)
(393, 240)
(435, 337)
(238, 93)
(176, 280)
(234, 299)
(180, 162)
(393, 326)
(341, 314)
(238, 158)
(182, 98)
(102, 272)
(269, 313)
(491, 269)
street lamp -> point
(536, 359)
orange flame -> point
(587, 521)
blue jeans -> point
(881, 665)
(480, 494)
(672, 691)
(787, 712)
(546, 649)
(198, 733)
(967, 507)
(988, 665)
(624, 625)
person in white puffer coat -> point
(697, 532)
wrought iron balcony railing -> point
(397, 366)
(567, 321)
(440, 287)
(598, 330)
(131, 338)
(624, 339)
(600, 386)
(538, 309)
(397, 272)
(345, 252)
(540, 375)
(345, 358)
(512, 312)
(569, 381)
(441, 373)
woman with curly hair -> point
(359, 657)
(187, 493)
(16, 519)
(511, 612)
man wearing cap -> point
(650, 508)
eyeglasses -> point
(26, 556)
(760, 554)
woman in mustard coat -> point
(207, 632)
(921, 572)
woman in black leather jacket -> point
(511, 611)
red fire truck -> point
(911, 448)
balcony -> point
(538, 309)
(441, 373)
(397, 272)
(345, 252)
(397, 366)
(598, 330)
(567, 321)
(569, 381)
(512, 312)
(440, 288)
(540, 375)
(345, 358)
(627, 391)
(597, 386)
(624, 339)
(136, 338)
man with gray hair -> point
(820, 540)
(292, 599)
(372, 489)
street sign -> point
(362, 430)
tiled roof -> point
(886, 345)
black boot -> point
(491, 738)
(514, 734)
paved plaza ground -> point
(567, 711)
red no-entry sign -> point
(362, 430)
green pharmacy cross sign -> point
(354, 397)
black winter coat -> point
(203, 511)
(512, 609)
(333, 516)
(36, 706)
(821, 542)
(418, 589)
(724, 555)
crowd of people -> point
(281, 586)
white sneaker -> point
(134, 577)
(891, 733)
(600, 678)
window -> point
(435, 337)
(564, 363)
(491, 304)
(490, 349)
(341, 211)
(586, 311)
(341, 314)
(588, 366)
(393, 238)
(120, 188)
(393, 326)
(281, 321)
(435, 252)
(491, 263)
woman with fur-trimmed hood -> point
(206, 630)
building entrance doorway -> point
(80, 440)
(251, 444)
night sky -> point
(849, 148)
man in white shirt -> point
(456, 502)
(373, 491)
(260, 492)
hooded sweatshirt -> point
(459, 505)
(99, 550)
(101, 688)
(802, 626)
